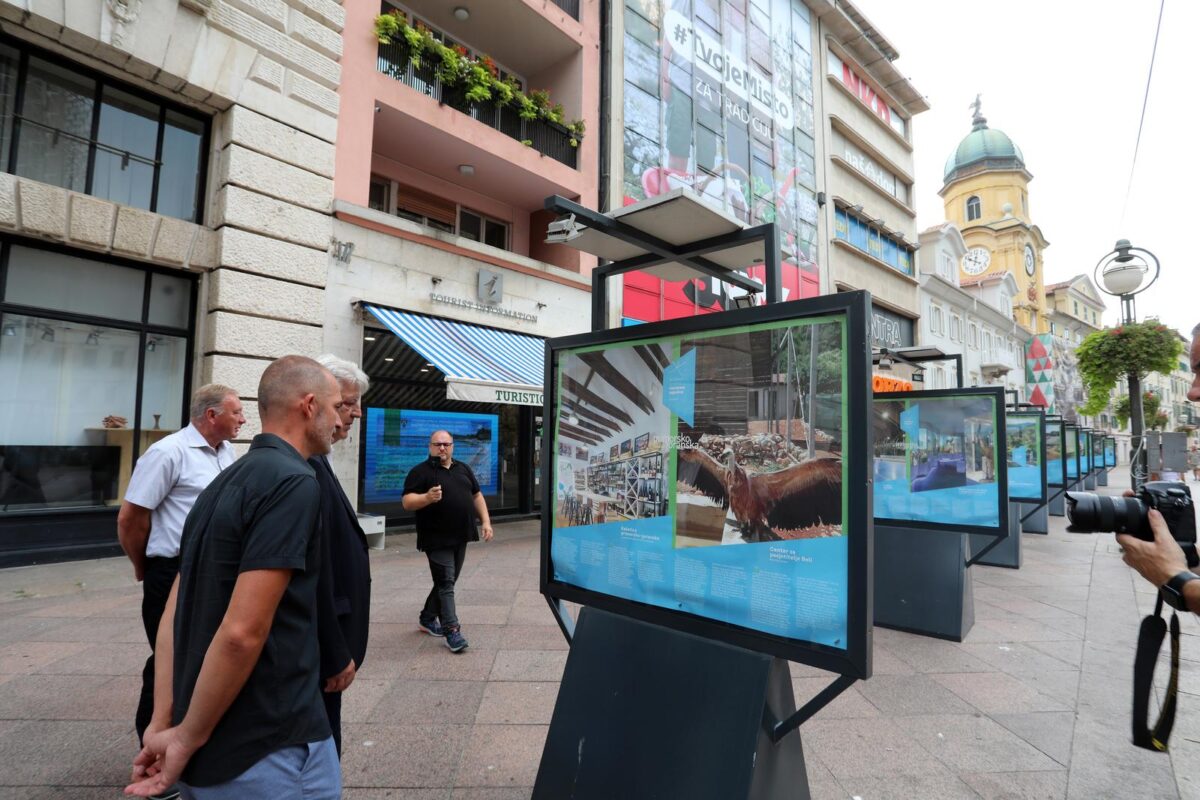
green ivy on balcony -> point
(474, 87)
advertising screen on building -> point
(1027, 463)
(397, 439)
(935, 459)
(1110, 452)
(739, 518)
(1071, 449)
(1085, 451)
(1056, 465)
(718, 99)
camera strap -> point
(1150, 641)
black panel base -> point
(1008, 552)
(1089, 483)
(922, 584)
(648, 712)
(1057, 506)
(1102, 478)
(1034, 518)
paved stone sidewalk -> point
(1034, 704)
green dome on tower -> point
(983, 148)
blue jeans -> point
(300, 772)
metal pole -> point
(1137, 455)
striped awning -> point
(481, 364)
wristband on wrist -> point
(1172, 590)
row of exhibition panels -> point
(930, 483)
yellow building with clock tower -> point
(986, 194)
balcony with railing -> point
(543, 136)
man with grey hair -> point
(344, 591)
(168, 478)
(1162, 561)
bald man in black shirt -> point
(237, 705)
(446, 498)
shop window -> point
(68, 126)
(974, 209)
(108, 346)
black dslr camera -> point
(1092, 513)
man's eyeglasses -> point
(441, 444)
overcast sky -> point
(1065, 79)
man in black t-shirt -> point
(237, 705)
(446, 498)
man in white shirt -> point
(165, 483)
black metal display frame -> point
(997, 395)
(1110, 440)
(1043, 497)
(1071, 431)
(853, 662)
(1085, 434)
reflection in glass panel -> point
(8, 94)
(495, 234)
(469, 226)
(68, 283)
(641, 65)
(170, 300)
(59, 453)
(128, 123)
(162, 386)
(122, 179)
(57, 121)
(179, 176)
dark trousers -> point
(333, 710)
(156, 588)
(445, 565)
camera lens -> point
(1089, 513)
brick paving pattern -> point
(1034, 704)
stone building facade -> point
(242, 96)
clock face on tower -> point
(1030, 260)
(976, 261)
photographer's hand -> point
(1156, 561)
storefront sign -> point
(491, 393)
(889, 329)
(877, 174)
(863, 91)
(486, 309)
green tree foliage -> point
(1107, 355)
(1153, 417)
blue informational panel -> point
(396, 440)
(935, 459)
(1026, 457)
(1110, 452)
(1098, 440)
(1071, 452)
(719, 498)
(1056, 465)
(1085, 451)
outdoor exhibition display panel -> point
(1071, 454)
(1087, 468)
(936, 473)
(1025, 434)
(1056, 465)
(708, 504)
(1110, 452)
(1099, 462)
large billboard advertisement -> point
(1027, 461)
(396, 440)
(718, 99)
(1056, 465)
(737, 506)
(935, 459)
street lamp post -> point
(1122, 274)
